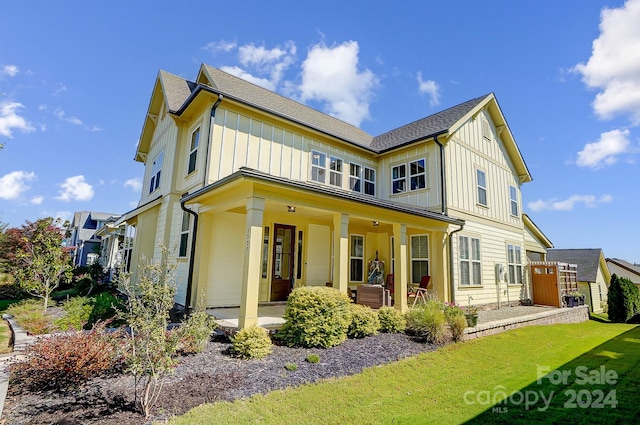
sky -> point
(76, 78)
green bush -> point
(364, 321)
(316, 316)
(77, 311)
(623, 299)
(31, 317)
(106, 307)
(252, 342)
(456, 320)
(312, 358)
(391, 320)
(67, 360)
(194, 333)
(427, 322)
(292, 367)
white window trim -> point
(320, 166)
(416, 279)
(184, 232)
(193, 151)
(470, 260)
(365, 181)
(479, 187)
(156, 172)
(352, 257)
(517, 266)
(513, 201)
(357, 178)
(402, 179)
(423, 173)
(338, 174)
(407, 176)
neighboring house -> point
(111, 248)
(258, 194)
(624, 269)
(83, 239)
(593, 273)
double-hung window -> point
(470, 266)
(370, 181)
(356, 269)
(355, 177)
(514, 261)
(417, 174)
(419, 257)
(513, 196)
(399, 178)
(481, 178)
(193, 151)
(335, 171)
(318, 166)
(156, 170)
(184, 234)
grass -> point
(5, 337)
(431, 388)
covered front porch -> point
(259, 237)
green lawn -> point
(464, 383)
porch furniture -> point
(370, 295)
(420, 292)
(389, 288)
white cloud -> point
(135, 184)
(14, 183)
(10, 119)
(614, 65)
(63, 215)
(589, 201)
(61, 115)
(10, 70)
(61, 88)
(430, 88)
(75, 188)
(606, 150)
(269, 61)
(220, 46)
(37, 200)
(330, 75)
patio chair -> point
(420, 292)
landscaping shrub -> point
(364, 321)
(391, 320)
(67, 360)
(427, 322)
(456, 320)
(106, 307)
(194, 333)
(31, 317)
(292, 367)
(77, 311)
(316, 316)
(252, 342)
(312, 358)
(623, 299)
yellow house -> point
(259, 194)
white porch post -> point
(251, 267)
(401, 276)
(341, 252)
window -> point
(470, 267)
(370, 181)
(417, 174)
(482, 187)
(513, 195)
(184, 234)
(355, 177)
(356, 271)
(514, 259)
(318, 166)
(127, 247)
(193, 151)
(265, 252)
(419, 257)
(335, 171)
(156, 170)
(486, 131)
(398, 178)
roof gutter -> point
(443, 187)
(192, 254)
(452, 286)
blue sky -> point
(76, 78)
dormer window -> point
(193, 151)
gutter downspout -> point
(443, 186)
(452, 287)
(187, 302)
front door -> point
(283, 255)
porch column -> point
(341, 252)
(400, 277)
(251, 268)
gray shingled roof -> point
(425, 127)
(588, 261)
(633, 268)
(178, 90)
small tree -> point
(152, 349)
(40, 262)
(623, 299)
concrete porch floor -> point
(269, 316)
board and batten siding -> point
(241, 141)
(493, 250)
(468, 151)
(164, 137)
